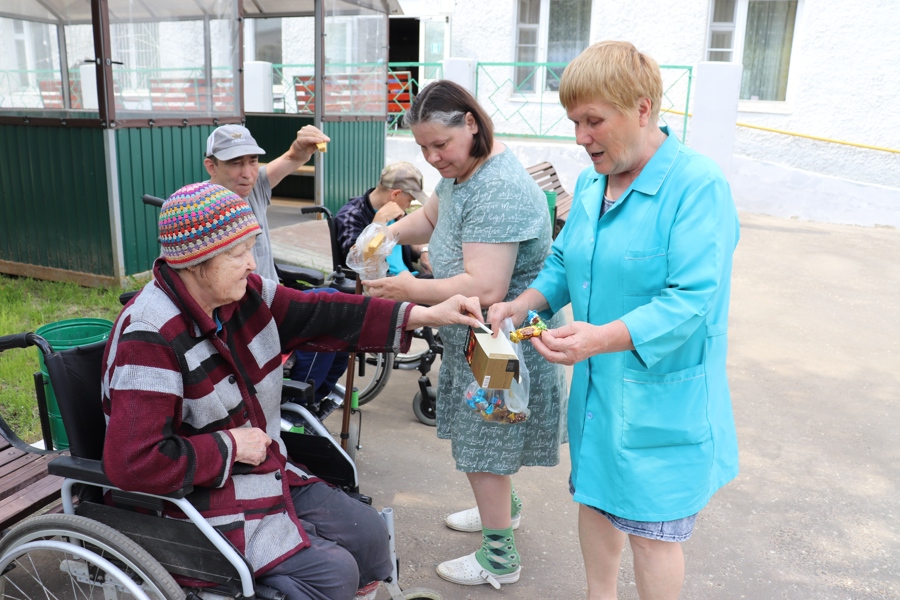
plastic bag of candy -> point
(498, 405)
(368, 256)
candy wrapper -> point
(368, 256)
(533, 327)
(502, 406)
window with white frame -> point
(758, 34)
(34, 55)
(137, 46)
(554, 31)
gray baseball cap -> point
(405, 177)
(231, 141)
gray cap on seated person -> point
(231, 141)
(405, 177)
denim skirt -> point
(678, 530)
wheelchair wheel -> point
(425, 408)
(377, 371)
(60, 555)
(417, 349)
(421, 594)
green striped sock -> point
(516, 506)
(498, 551)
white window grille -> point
(758, 34)
(553, 31)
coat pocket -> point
(645, 271)
(665, 409)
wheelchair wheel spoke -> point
(66, 557)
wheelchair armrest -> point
(82, 469)
(300, 391)
(290, 275)
(91, 471)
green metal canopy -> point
(81, 141)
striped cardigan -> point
(173, 387)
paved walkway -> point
(306, 244)
(814, 366)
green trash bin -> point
(63, 335)
(551, 204)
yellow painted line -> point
(796, 134)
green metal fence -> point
(507, 92)
(158, 89)
(294, 90)
(38, 88)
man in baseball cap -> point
(232, 161)
(399, 184)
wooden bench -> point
(355, 93)
(25, 485)
(399, 92)
(191, 94)
(544, 174)
(305, 92)
(290, 187)
(52, 96)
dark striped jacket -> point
(173, 387)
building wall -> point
(843, 86)
(484, 31)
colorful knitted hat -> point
(202, 220)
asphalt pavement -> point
(814, 368)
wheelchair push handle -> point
(24, 340)
(306, 210)
(152, 200)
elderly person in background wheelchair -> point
(192, 384)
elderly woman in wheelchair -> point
(192, 385)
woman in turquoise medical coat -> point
(645, 260)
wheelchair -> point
(426, 346)
(126, 550)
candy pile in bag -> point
(368, 256)
(533, 327)
(498, 405)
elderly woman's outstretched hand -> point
(457, 310)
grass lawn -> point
(25, 305)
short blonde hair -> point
(613, 72)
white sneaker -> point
(470, 520)
(468, 571)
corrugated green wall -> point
(275, 133)
(54, 210)
(155, 161)
(354, 159)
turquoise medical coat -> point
(651, 431)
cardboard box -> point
(493, 360)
